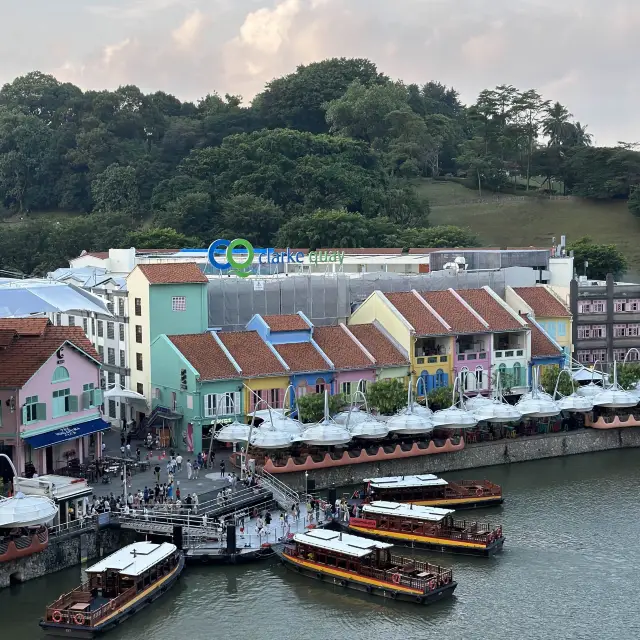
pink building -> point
(50, 397)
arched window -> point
(61, 374)
(465, 379)
(441, 379)
(517, 375)
(479, 377)
(320, 384)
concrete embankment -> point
(483, 454)
(63, 552)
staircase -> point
(282, 494)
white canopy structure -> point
(496, 411)
(269, 438)
(234, 432)
(327, 432)
(21, 298)
(456, 416)
(26, 511)
(615, 396)
(573, 402)
(537, 403)
(414, 419)
(120, 393)
(369, 429)
(286, 425)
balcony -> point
(471, 356)
(509, 353)
(432, 359)
(432, 351)
(509, 345)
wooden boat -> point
(431, 491)
(365, 565)
(426, 528)
(119, 586)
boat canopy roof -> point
(394, 482)
(135, 558)
(340, 542)
(406, 510)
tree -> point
(311, 406)
(602, 258)
(387, 396)
(556, 125)
(628, 375)
(116, 189)
(448, 236)
(160, 238)
(484, 167)
(251, 217)
(440, 398)
(634, 202)
(549, 378)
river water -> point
(570, 569)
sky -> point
(583, 53)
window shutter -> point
(236, 401)
(97, 395)
(73, 404)
(86, 400)
(24, 414)
(41, 411)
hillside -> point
(503, 221)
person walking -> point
(128, 449)
(179, 462)
(157, 472)
(196, 469)
(138, 453)
(222, 465)
(145, 496)
(189, 469)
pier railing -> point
(283, 494)
(73, 526)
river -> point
(570, 569)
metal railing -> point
(73, 526)
(283, 494)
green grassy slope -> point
(516, 222)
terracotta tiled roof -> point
(543, 302)
(6, 337)
(205, 355)
(453, 312)
(302, 356)
(541, 345)
(172, 273)
(251, 353)
(491, 310)
(417, 314)
(102, 255)
(378, 345)
(29, 349)
(341, 348)
(288, 322)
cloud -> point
(579, 52)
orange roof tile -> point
(453, 312)
(417, 314)
(378, 345)
(302, 356)
(29, 350)
(498, 318)
(541, 345)
(543, 302)
(205, 355)
(341, 348)
(286, 322)
(172, 273)
(251, 353)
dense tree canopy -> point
(322, 156)
(600, 259)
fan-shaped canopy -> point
(287, 425)
(476, 402)
(325, 433)
(269, 438)
(408, 423)
(234, 432)
(357, 416)
(26, 511)
(590, 390)
(370, 429)
(575, 403)
(267, 414)
(496, 411)
(454, 418)
(537, 404)
(616, 398)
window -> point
(100, 329)
(110, 307)
(85, 325)
(619, 306)
(584, 307)
(183, 378)
(138, 334)
(112, 408)
(465, 380)
(123, 362)
(101, 352)
(123, 381)
(551, 328)
(441, 379)
(584, 332)
(479, 378)
(345, 389)
(62, 403)
(121, 330)
(88, 396)
(140, 388)
(562, 328)
(633, 330)
(363, 386)
(584, 357)
(320, 385)
(210, 405)
(633, 355)
(599, 331)
(178, 303)
(619, 330)
(619, 354)
(111, 379)
(33, 410)
(139, 361)
(302, 389)
(518, 378)
(121, 307)
(110, 330)
(274, 398)
(189, 402)
(226, 403)
(60, 375)
(111, 355)
(138, 306)
(633, 305)
(93, 326)
(598, 354)
(58, 319)
(598, 306)
(72, 321)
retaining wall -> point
(64, 552)
(482, 454)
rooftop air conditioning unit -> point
(451, 267)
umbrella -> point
(477, 402)
(357, 416)
(370, 429)
(455, 417)
(327, 432)
(120, 393)
(269, 438)
(286, 425)
(234, 432)
(496, 411)
(537, 403)
(408, 423)
(573, 402)
(32, 296)
(26, 511)
(615, 396)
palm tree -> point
(578, 136)
(556, 124)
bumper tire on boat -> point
(343, 583)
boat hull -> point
(363, 584)
(138, 603)
(471, 502)
(441, 545)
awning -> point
(67, 433)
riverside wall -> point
(63, 552)
(482, 454)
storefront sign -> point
(66, 433)
(322, 255)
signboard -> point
(66, 433)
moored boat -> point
(426, 528)
(431, 491)
(367, 565)
(119, 586)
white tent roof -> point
(586, 375)
(26, 511)
(21, 298)
(124, 394)
(135, 558)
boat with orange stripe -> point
(367, 565)
(119, 586)
(429, 490)
(426, 528)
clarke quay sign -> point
(221, 256)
